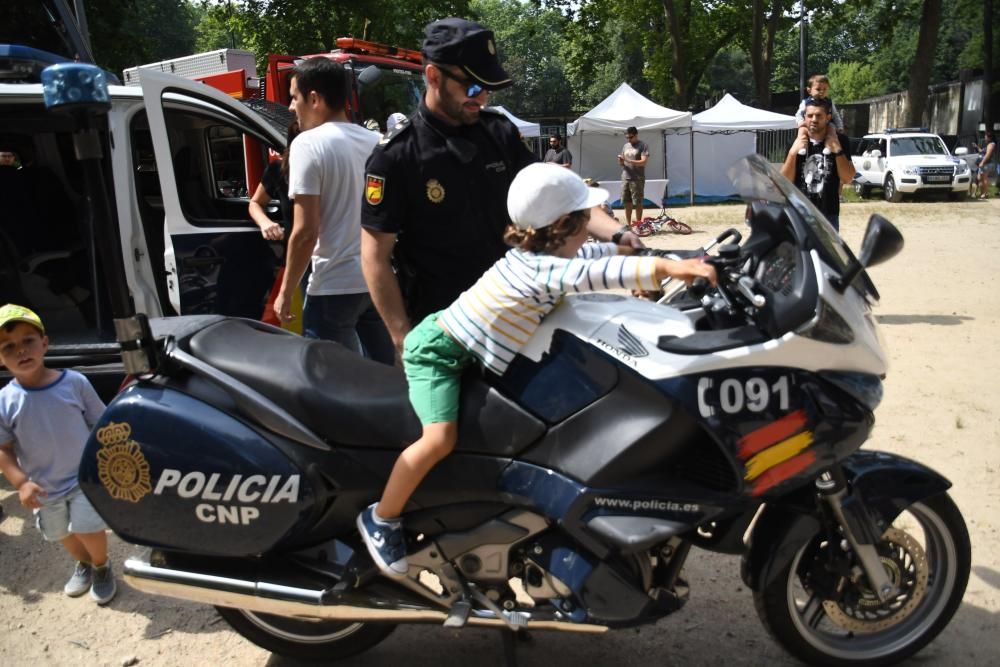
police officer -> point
(435, 202)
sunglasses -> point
(472, 89)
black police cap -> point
(468, 45)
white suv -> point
(903, 162)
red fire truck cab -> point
(384, 79)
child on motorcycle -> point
(489, 323)
(45, 420)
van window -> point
(218, 271)
(387, 91)
(209, 166)
(48, 256)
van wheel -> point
(303, 638)
(891, 193)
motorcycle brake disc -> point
(907, 567)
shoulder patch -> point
(400, 128)
(374, 189)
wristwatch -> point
(617, 236)
(838, 153)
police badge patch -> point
(435, 191)
(374, 189)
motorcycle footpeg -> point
(358, 573)
(458, 616)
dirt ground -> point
(940, 312)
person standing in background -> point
(557, 153)
(633, 159)
(325, 180)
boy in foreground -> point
(45, 418)
(489, 323)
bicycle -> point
(665, 220)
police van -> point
(182, 159)
(172, 151)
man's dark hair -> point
(555, 136)
(822, 102)
(631, 130)
(326, 77)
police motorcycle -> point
(625, 434)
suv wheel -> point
(863, 191)
(891, 193)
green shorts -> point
(434, 363)
(632, 191)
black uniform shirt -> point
(443, 191)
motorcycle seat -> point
(349, 400)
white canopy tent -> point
(524, 127)
(597, 137)
(724, 134)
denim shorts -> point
(434, 363)
(72, 513)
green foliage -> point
(123, 33)
(730, 72)
(854, 81)
(312, 26)
(601, 51)
(880, 37)
(528, 39)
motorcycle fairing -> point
(776, 426)
(569, 376)
(165, 469)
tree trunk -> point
(677, 29)
(920, 70)
(763, 29)
(761, 74)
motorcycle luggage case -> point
(164, 469)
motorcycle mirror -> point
(881, 243)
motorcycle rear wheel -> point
(927, 550)
(305, 639)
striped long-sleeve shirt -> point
(497, 316)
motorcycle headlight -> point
(829, 327)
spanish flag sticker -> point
(373, 189)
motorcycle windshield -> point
(755, 179)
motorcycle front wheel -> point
(303, 638)
(927, 555)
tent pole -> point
(581, 154)
(691, 148)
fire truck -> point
(384, 79)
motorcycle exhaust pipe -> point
(356, 606)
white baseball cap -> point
(541, 193)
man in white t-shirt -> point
(326, 181)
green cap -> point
(15, 313)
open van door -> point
(214, 257)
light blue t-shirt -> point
(49, 427)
